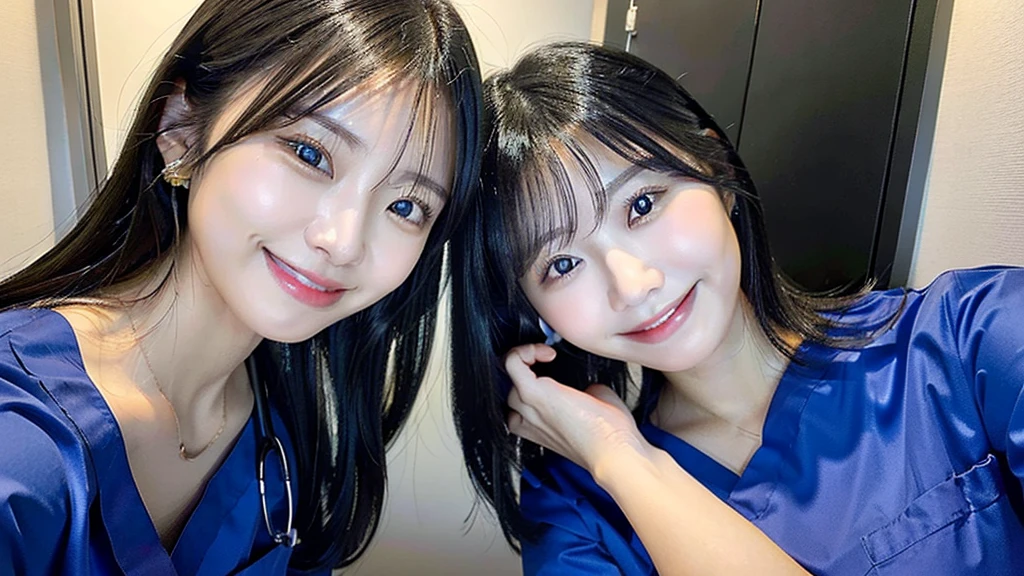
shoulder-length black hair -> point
(539, 118)
(345, 393)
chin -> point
(288, 329)
(669, 366)
(679, 357)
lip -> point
(659, 328)
(305, 286)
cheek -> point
(697, 233)
(575, 312)
(245, 189)
(395, 254)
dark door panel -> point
(817, 129)
(706, 44)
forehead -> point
(383, 105)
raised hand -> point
(588, 427)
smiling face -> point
(298, 227)
(655, 281)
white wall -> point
(973, 210)
(26, 210)
(131, 37)
(424, 530)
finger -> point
(515, 400)
(514, 422)
(521, 427)
(517, 364)
(525, 411)
(544, 353)
(530, 354)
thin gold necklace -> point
(182, 451)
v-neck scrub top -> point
(68, 503)
(902, 457)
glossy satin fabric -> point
(904, 457)
(68, 504)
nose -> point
(632, 279)
(338, 234)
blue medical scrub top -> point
(902, 457)
(68, 504)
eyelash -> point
(546, 276)
(293, 144)
(653, 191)
(428, 212)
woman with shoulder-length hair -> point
(878, 433)
(203, 375)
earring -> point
(171, 175)
(552, 337)
(735, 209)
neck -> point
(735, 384)
(184, 333)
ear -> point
(710, 132)
(729, 201)
(171, 138)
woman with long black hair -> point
(203, 375)
(877, 433)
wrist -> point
(626, 464)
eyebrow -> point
(424, 180)
(619, 181)
(332, 125)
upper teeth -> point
(661, 320)
(298, 276)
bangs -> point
(292, 88)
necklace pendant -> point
(183, 454)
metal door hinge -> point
(630, 23)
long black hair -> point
(539, 118)
(345, 393)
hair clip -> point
(551, 336)
(171, 175)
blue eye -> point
(308, 154)
(411, 210)
(562, 265)
(403, 208)
(642, 205)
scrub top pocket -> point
(946, 527)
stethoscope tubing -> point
(267, 443)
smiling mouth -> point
(667, 321)
(663, 319)
(299, 275)
(303, 278)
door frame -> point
(76, 58)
